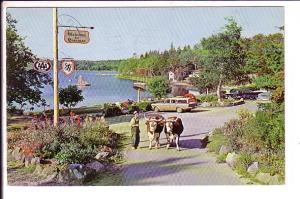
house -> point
(178, 73)
(171, 76)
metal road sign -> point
(68, 67)
(77, 36)
(42, 66)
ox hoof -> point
(168, 146)
(178, 149)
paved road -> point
(191, 165)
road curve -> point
(191, 165)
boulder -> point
(224, 150)
(10, 156)
(264, 177)
(253, 168)
(95, 165)
(75, 174)
(101, 155)
(205, 104)
(231, 159)
(203, 141)
(18, 154)
(27, 161)
(35, 160)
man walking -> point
(135, 130)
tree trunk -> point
(219, 89)
(206, 91)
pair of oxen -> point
(172, 127)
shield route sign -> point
(77, 36)
(68, 67)
(42, 66)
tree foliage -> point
(97, 65)
(70, 96)
(224, 54)
(23, 83)
(158, 86)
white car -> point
(265, 96)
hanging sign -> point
(77, 36)
(42, 65)
(68, 67)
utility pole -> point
(55, 68)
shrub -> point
(112, 110)
(221, 158)
(73, 152)
(158, 86)
(216, 141)
(140, 106)
(258, 136)
(207, 98)
(94, 135)
(144, 105)
(132, 108)
(14, 111)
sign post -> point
(68, 66)
(55, 69)
(43, 66)
(77, 36)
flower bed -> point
(89, 146)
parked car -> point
(239, 94)
(265, 96)
(179, 104)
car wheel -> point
(179, 110)
(156, 109)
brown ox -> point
(173, 130)
(155, 125)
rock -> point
(264, 177)
(75, 174)
(231, 159)
(75, 166)
(224, 150)
(275, 180)
(27, 161)
(210, 133)
(253, 168)
(18, 154)
(101, 155)
(10, 156)
(205, 104)
(35, 160)
(203, 141)
(95, 165)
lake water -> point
(105, 87)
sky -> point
(120, 32)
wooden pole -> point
(138, 91)
(55, 68)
